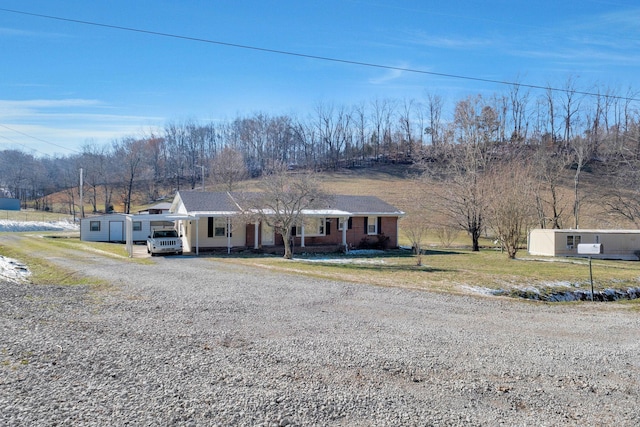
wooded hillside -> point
(580, 152)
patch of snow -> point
(356, 252)
(342, 261)
(348, 258)
(559, 284)
(481, 290)
(17, 226)
(13, 271)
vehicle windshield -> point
(165, 233)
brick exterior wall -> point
(357, 236)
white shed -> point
(111, 227)
(617, 244)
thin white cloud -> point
(423, 39)
(390, 75)
(49, 103)
(46, 125)
(14, 32)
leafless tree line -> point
(556, 131)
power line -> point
(316, 57)
(37, 139)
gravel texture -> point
(195, 341)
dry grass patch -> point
(455, 270)
(34, 249)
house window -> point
(372, 225)
(312, 227)
(216, 227)
(137, 225)
(340, 224)
(220, 227)
(94, 226)
(573, 241)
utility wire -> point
(37, 139)
(316, 57)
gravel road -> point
(198, 342)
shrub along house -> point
(216, 221)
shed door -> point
(116, 231)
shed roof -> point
(585, 231)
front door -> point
(268, 238)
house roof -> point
(207, 202)
(338, 205)
(362, 205)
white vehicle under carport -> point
(164, 241)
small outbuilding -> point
(616, 244)
(7, 204)
(112, 228)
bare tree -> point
(519, 102)
(415, 226)
(380, 121)
(581, 153)
(447, 234)
(283, 199)
(407, 127)
(229, 168)
(461, 196)
(549, 168)
(510, 213)
(131, 152)
(570, 107)
(434, 111)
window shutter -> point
(350, 226)
(210, 226)
(294, 231)
(327, 227)
(379, 225)
(366, 225)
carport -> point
(129, 218)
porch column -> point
(255, 235)
(302, 236)
(197, 220)
(345, 222)
(129, 235)
(228, 235)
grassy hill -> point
(392, 183)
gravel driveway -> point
(195, 341)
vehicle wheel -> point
(179, 253)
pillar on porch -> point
(345, 222)
(256, 227)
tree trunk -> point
(288, 244)
(475, 239)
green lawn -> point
(456, 270)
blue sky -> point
(64, 84)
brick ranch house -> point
(214, 221)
